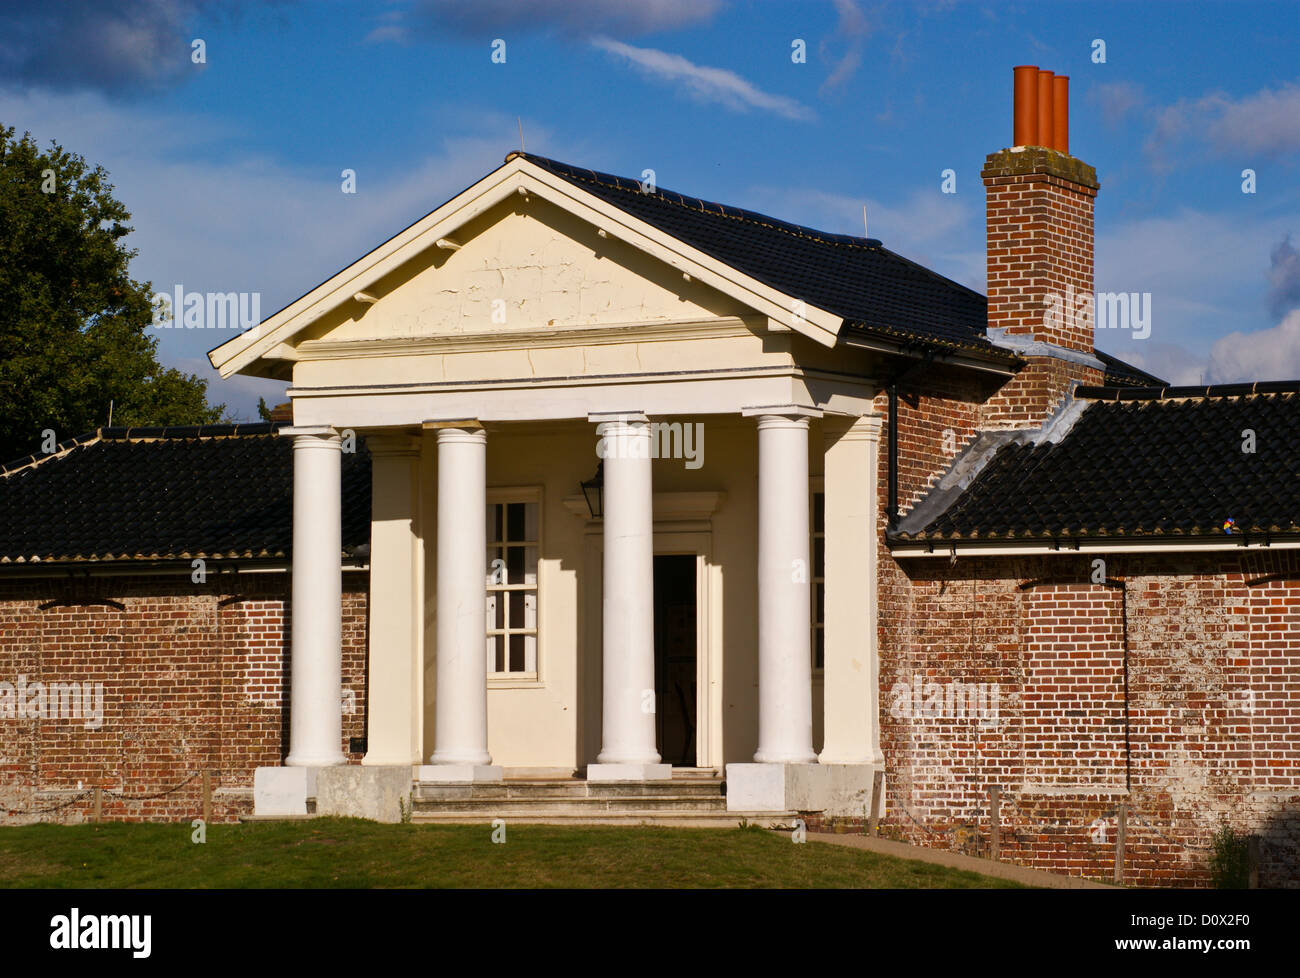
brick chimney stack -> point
(1039, 206)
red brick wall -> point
(1039, 228)
(195, 677)
(1213, 708)
(1029, 398)
(949, 401)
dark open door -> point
(675, 658)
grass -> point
(340, 852)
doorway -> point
(675, 658)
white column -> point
(784, 593)
(460, 729)
(852, 704)
(394, 730)
(316, 685)
(628, 751)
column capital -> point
(614, 417)
(304, 435)
(767, 421)
(789, 411)
(461, 436)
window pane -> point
(821, 602)
(819, 656)
(819, 557)
(515, 522)
(515, 564)
(510, 526)
(819, 512)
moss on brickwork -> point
(1039, 159)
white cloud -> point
(110, 45)
(1117, 99)
(703, 83)
(1176, 365)
(1205, 271)
(851, 31)
(1284, 278)
(1266, 122)
(498, 18)
(1266, 354)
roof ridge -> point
(142, 433)
(62, 448)
(236, 429)
(723, 210)
(1167, 392)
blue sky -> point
(232, 168)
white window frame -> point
(530, 676)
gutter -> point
(86, 569)
(994, 364)
(1073, 546)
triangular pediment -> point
(519, 251)
(523, 267)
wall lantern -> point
(593, 489)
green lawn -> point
(339, 852)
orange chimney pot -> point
(1025, 121)
(1061, 113)
(1046, 118)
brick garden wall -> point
(1213, 706)
(1011, 672)
(195, 677)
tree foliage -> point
(73, 323)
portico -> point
(514, 632)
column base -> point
(283, 790)
(377, 793)
(458, 773)
(834, 789)
(629, 772)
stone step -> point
(518, 806)
(716, 820)
(429, 791)
(697, 773)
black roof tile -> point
(1141, 462)
(873, 289)
(213, 491)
